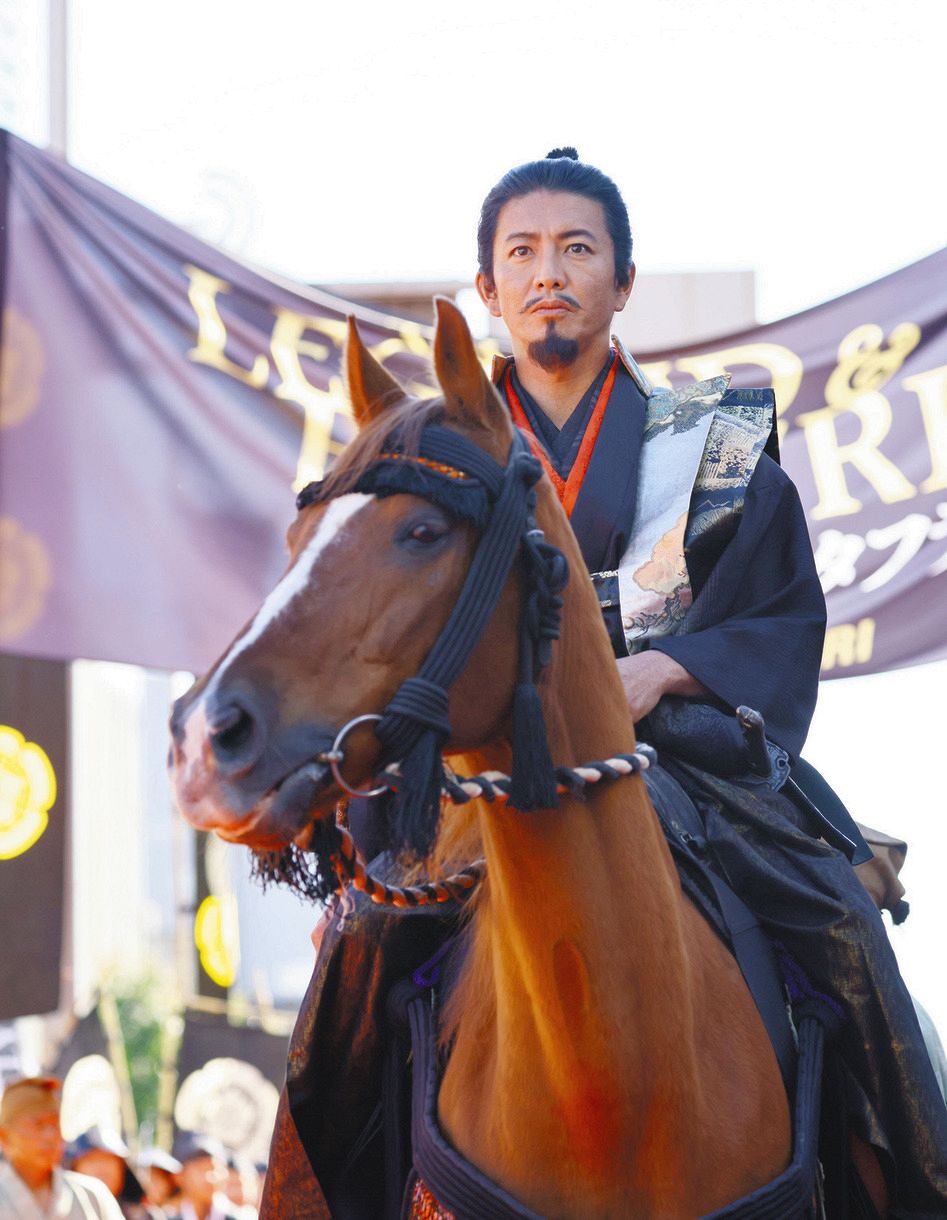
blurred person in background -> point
(201, 1181)
(241, 1186)
(32, 1184)
(157, 1171)
(104, 1155)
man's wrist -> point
(673, 678)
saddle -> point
(727, 914)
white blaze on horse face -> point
(337, 515)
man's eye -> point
(579, 247)
(519, 251)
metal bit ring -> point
(336, 755)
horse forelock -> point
(407, 418)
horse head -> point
(372, 579)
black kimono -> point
(752, 635)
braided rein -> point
(493, 787)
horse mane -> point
(406, 418)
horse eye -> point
(426, 532)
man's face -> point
(33, 1142)
(159, 1184)
(553, 280)
(199, 1178)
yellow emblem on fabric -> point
(217, 936)
(27, 792)
(21, 371)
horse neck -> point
(585, 846)
(578, 951)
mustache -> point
(560, 296)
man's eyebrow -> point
(561, 236)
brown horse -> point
(606, 1058)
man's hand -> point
(649, 675)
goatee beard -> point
(553, 351)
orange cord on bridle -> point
(350, 867)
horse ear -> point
(468, 391)
(371, 388)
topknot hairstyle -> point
(560, 170)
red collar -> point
(566, 489)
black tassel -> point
(417, 806)
(533, 781)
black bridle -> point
(450, 471)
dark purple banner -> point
(160, 399)
(159, 402)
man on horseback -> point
(698, 547)
(523, 1008)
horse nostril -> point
(233, 734)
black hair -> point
(560, 170)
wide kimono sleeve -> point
(754, 633)
(328, 1151)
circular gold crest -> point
(21, 371)
(24, 579)
(27, 792)
(217, 936)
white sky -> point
(356, 141)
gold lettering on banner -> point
(855, 386)
(325, 411)
(411, 339)
(829, 456)
(202, 292)
(296, 335)
(864, 366)
(931, 391)
(848, 644)
(289, 342)
(783, 365)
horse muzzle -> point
(252, 782)
(282, 815)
